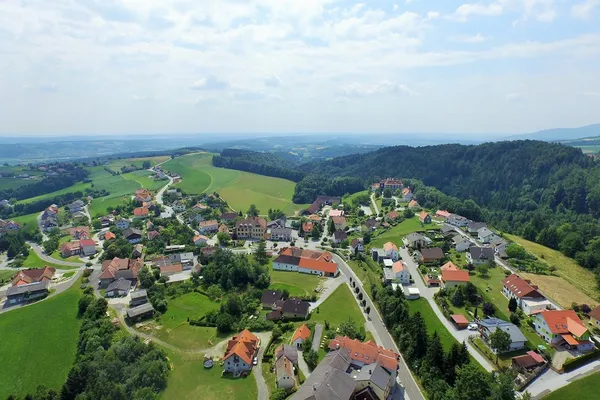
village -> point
(159, 248)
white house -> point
(480, 255)
(88, 247)
(527, 295)
(457, 220)
(240, 352)
(401, 272)
(200, 240)
(391, 250)
(122, 223)
(490, 325)
(485, 235)
(178, 206)
(461, 243)
(210, 226)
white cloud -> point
(514, 97)
(209, 83)
(272, 81)
(477, 38)
(584, 10)
(540, 10)
(356, 89)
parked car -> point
(255, 361)
(472, 327)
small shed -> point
(460, 321)
(413, 293)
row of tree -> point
(260, 163)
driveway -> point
(328, 287)
(374, 204)
(317, 337)
(427, 293)
(263, 390)
(303, 365)
(551, 380)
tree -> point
(408, 213)
(146, 278)
(146, 165)
(512, 305)
(316, 232)
(483, 270)
(458, 299)
(387, 193)
(514, 318)
(471, 384)
(500, 342)
(224, 323)
(223, 238)
(330, 227)
(261, 252)
(488, 309)
(504, 387)
(312, 358)
(253, 211)
(367, 238)
(214, 292)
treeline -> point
(259, 163)
(316, 184)
(445, 375)
(106, 368)
(49, 184)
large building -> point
(306, 261)
(251, 228)
(563, 327)
(126, 268)
(27, 276)
(240, 352)
(388, 183)
(528, 298)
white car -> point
(255, 361)
(472, 327)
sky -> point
(128, 67)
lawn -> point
(174, 326)
(189, 380)
(583, 279)
(296, 283)
(338, 308)
(28, 222)
(368, 272)
(57, 255)
(117, 164)
(396, 233)
(34, 261)
(38, 344)
(14, 183)
(582, 389)
(432, 321)
(142, 177)
(238, 188)
(5, 276)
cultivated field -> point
(396, 234)
(32, 339)
(582, 282)
(238, 188)
(559, 290)
(116, 165)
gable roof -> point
(485, 231)
(442, 213)
(458, 275)
(336, 213)
(449, 266)
(119, 284)
(329, 381)
(140, 211)
(243, 345)
(269, 297)
(340, 235)
(389, 246)
(481, 253)
(413, 203)
(563, 322)
(399, 266)
(521, 287)
(87, 242)
(29, 287)
(366, 352)
(302, 332)
(26, 276)
(287, 351)
(423, 214)
(254, 222)
(492, 324)
(393, 214)
(295, 305)
(109, 236)
(595, 313)
(339, 220)
(434, 253)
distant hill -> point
(561, 134)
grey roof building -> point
(138, 297)
(26, 293)
(329, 381)
(140, 311)
(490, 325)
(120, 287)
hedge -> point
(575, 363)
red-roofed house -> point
(27, 276)
(306, 261)
(452, 278)
(442, 214)
(140, 212)
(126, 268)
(336, 213)
(392, 215)
(69, 249)
(527, 295)
(200, 240)
(413, 204)
(109, 236)
(449, 266)
(391, 250)
(563, 326)
(424, 217)
(142, 195)
(401, 272)
(300, 335)
(88, 247)
(339, 222)
(366, 353)
(307, 227)
(240, 353)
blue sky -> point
(160, 66)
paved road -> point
(39, 222)
(551, 380)
(317, 337)
(263, 390)
(40, 252)
(303, 365)
(412, 391)
(374, 204)
(427, 293)
(59, 288)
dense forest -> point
(260, 163)
(545, 192)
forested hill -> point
(260, 163)
(545, 192)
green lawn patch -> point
(143, 178)
(296, 283)
(38, 344)
(368, 272)
(582, 389)
(28, 222)
(238, 188)
(34, 261)
(6, 275)
(338, 308)
(189, 380)
(432, 321)
(14, 183)
(116, 165)
(396, 233)
(68, 274)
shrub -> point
(574, 363)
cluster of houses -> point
(292, 308)
(174, 263)
(8, 226)
(306, 261)
(77, 209)
(29, 285)
(49, 219)
(80, 245)
(143, 198)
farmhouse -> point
(319, 202)
(490, 325)
(305, 261)
(365, 353)
(126, 268)
(300, 335)
(240, 351)
(27, 292)
(563, 327)
(480, 255)
(251, 228)
(138, 297)
(27, 276)
(142, 195)
(171, 269)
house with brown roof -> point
(69, 249)
(126, 268)
(407, 194)
(339, 223)
(527, 362)
(434, 254)
(319, 202)
(339, 236)
(253, 228)
(140, 212)
(171, 269)
(307, 227)
(285, 358)
(413, 204)
(142, 195)
(595, 316)
(336, 213)
(210, 226)
(228, 216)
(454, 277)
(424, 217)
(109, 236)
(392, 215)
(529, 299)
(306, 261)
(560, 327)
(300, 335)
(240, 352)
(364, 353)
(27, 276)
(270, 299)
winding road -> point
(41, 254)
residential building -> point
(388, 275)
(329, 380)
(132, 235)
(253, 228)
(336, 213)
(295, 308)
(357, 245)
(153, 235)
(407, 194)
(371, 224)
(271, 298)
(413, 204)
(315, 218)
(416, 240)
(307, 227)
(365, 353)
(529, 299)
(200, 206)
(490, 325)
(391, 250)
(185, 259)
(137, 251)
(444, 214)
(210, 226)
(116, 268)
(457, 220)
(76, 206)
(140, 312)
(319, 202)
(339, 236)
(447, 230)
(281, 234)
(473, 227)
(454, 277)
(27, 276)
(388, 183)
(142, 195)
(122, 223)
(49, 223)
(480, 255)
(200, 240)
(109, 236)
(69, 249)
(401, 272)
(434, 254)
(284, 369)
(241, 350)
(79, 232)
(138, 297)
(88, 247)
(424, 217)
(595, 316)
(171, 269)
(300, 335)
(140, 213)
(527, 362)
(118, 288)
(392, 216)
(27, 292)
(485, 235)
(559, 327)
(461, 243)
(228, 216)
(339, 222)
(306, 261)
(106, 221)
(178, 206)
(449, 266)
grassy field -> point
(432, 321)
(338, 308)
(189, 380)
(368, 273)
(28, 222)
(5, 275)
(13, 183)
(175, 329)
(579, 277)
(117, 164)
(581, 389)
(32, 339)
(296, 283)
(396, 234)
(238, 188)
(142, 178)
(34, 261)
